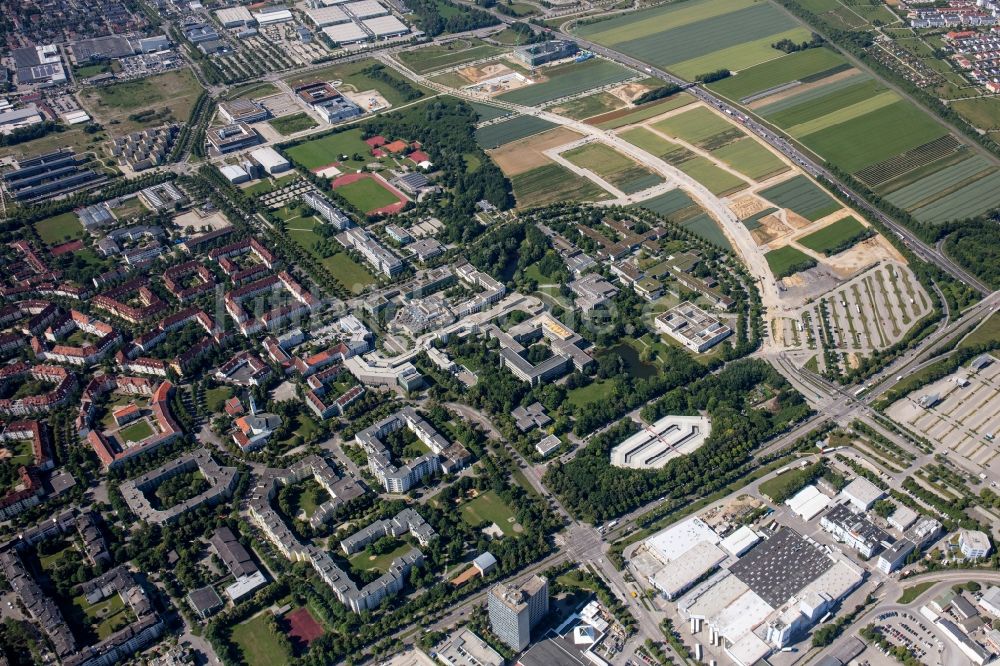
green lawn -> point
(584, 395)
(787, 261)
(911, 593)
(293, 123)
(786, 485)
(176, 91)
(489, 508)
(362, 561)
(22, 452)
(988, 331)
(345, 270)
(105, 617)
(136, 431)
(329, 149)
(840, 235)
(438, 56)
(256, 644)
(367, 194)
(67, 550)
(215, 398)
(60, 228)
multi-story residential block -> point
(515, 610)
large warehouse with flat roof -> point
(363, 9)
(324, 16)
(386, 26)
(346, 33)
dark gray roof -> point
(781, 566)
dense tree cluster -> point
(657, 93)
(432, 22)
(593, 490)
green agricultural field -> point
(488, 111)
(256, 644)
(439, 56)
(801, 196)
(551, 183)
(739, 56)
(842, 234)
(875, 136)
(649, 22)
(367, 194)
(717, 180)
(703, 226)
(692, 35)
(294, 123)
(498, 134)
(352, 76)
(787, 261)
(590, 106)
(821, 94)
(751, 159)
(489, 508)
(844, 114)
(328, 149)
(650, 141)
(58, 229)
(819, 102)
(643, 112)
(776, 72)
(973, 199)
(929, 188)
(981, 112)
(617, 169)
(135, 431)
(569, 79)
(669, 203)
(695, 126)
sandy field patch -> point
(789, 92)
(796, 221)
(770, 228)
(746, 206)
(529, 153)
(629, 91)
(192, 220)
(477, 73)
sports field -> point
(53, 230)
(497, 134)
(328, 149)
(750, 158)
(569, 79)
(551, 183)
(488, 508)
(776, 72)
(256, 644)
(802, 197)
(619, 170)
(835, 237)
(366, 193)
(303, 628)
(787, 261)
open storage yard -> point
(964, 419)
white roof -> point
(279, 16)
(712, 597)
(386, 25)
(903, 517)
(345, 33)
(268, 157)
(862, 492)
(836, 581)
(366, 8)
(685, 570)
(740, 541)
(748, 650)
(234, 15)
(232, 171)
(76, 117)
(674, 541)
(741, 616)
(808, 502)
(324, 16)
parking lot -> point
(966, 418)
(910, 631)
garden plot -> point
(964, 420)
(869, 312)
